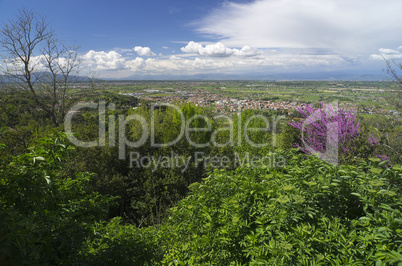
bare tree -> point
(394, 70)
(388, 127)
(36, 62)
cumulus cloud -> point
(248, 52)
(386, 53)
(213, 50)
(143, 51)
(174, 57)
(218, 50)
(136, 64)
(343, 25)
(104, 60)
(112, 64)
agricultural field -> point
(363, 97)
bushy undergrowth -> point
(116, 244)
(44, 218)
(309, 213)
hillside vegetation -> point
(67, 205)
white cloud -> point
(388, 51)
(248, 51)
(165, 47)
(218, 50)
(345, 26)
(385, 53)
(213, 50)
(174, 57)
(136, 64)
(112, 64)
(104, 60)
(143, 51)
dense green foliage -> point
(308, 213)
(45, 217)
(67, 205)
(116, 244)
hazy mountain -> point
(271, 76)
(259, 76)
(45, 75)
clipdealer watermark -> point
(271, 160)
(173, 160)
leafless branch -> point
(35, 61)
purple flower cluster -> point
(383, 158)
(327, 126)
(373, 141)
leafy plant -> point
(308, 213)
(117, 244)
(44, 217)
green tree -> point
(45, 216)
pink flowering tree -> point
(332, 133)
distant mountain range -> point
(40, 75)
(346, 76)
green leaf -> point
(382, 229)
(376, 170)
(394, 257)
(47, 178)
(38, 159)
(375, 160)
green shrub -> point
(45, 218)
(116, 244)
(308, 213)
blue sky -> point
(154, 38)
